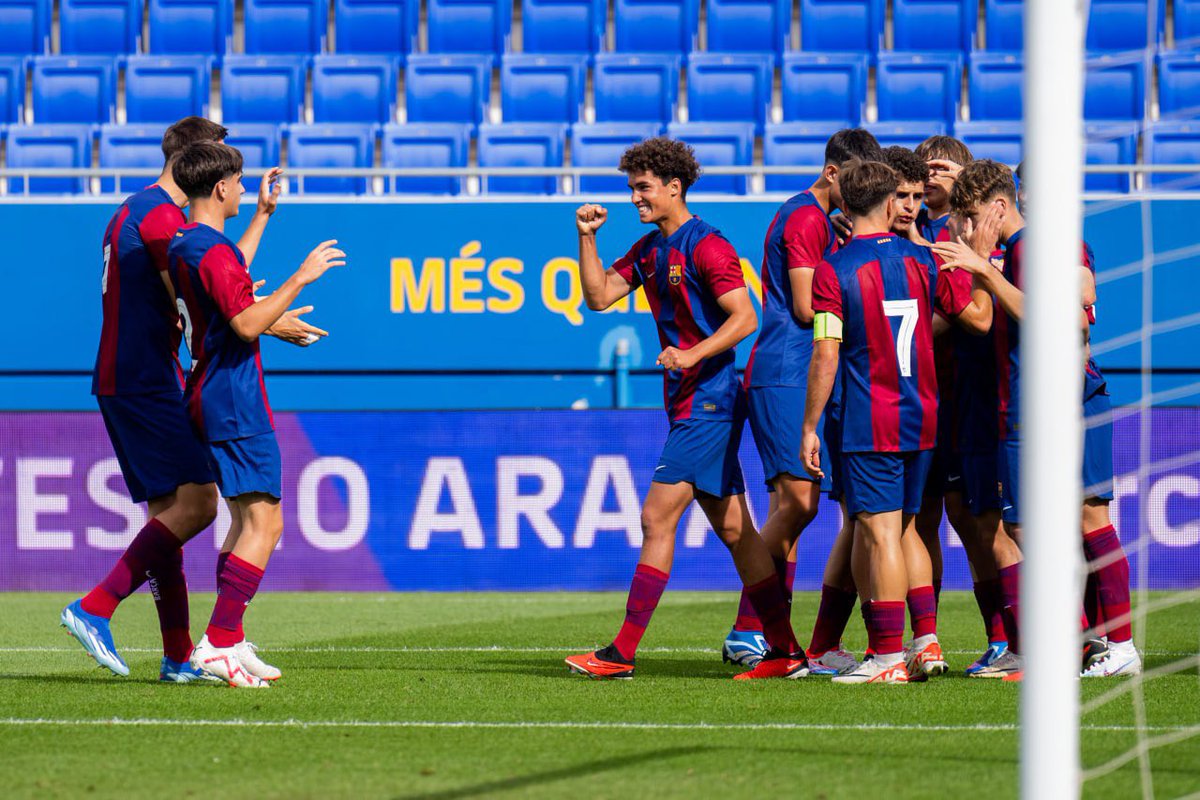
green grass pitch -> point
(399, 695)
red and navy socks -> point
(645, 591)
(153, 545)
(236, 587)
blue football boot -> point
(93, 633)
(175, 672)
(989, 657)
(745, 648)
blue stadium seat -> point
(1120, 24)
(12, 89)
(191, 26)
(1179, 84)
(262, 88)
(636, 88)
(49, 146)
(1187, 23)
(656, 26)
(74, 89)
(906, 134)
(730, 87)
(536, 87)
(517, 144)
(756, 26)
(995, 85)
(376, 26)
(1173, 143)
(100, 26)
(999, 141)
(919, 86)
(25, 26)
(354, 88)
(1114, 88)
(796, 144)
(285, 26)
(332, 144)
(934, 24)
(1004, 25)
(601, 145)
(1110, 143)
(854, 26)
(469, 26)
(259, 145)
(718, 144)
(130, 146)
(818, 87)
(447, 88)
(563, 26)
(166, 88)
(434, 144)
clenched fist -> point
(589, 218)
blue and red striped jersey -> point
(933, 230)
(139, 331)
(226, 395)
(683, 275)
(885, 291)
(800, 237)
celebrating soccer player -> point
(693, 281)
(226, 395)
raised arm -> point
(256, 318)
(268, 198)
(958, 255)
(601, 287)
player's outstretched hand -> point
(293, 330)
(959, 255)
(673, 359)
(324, 256)
(984, 238)
(589, 218)
(254, 291)
(841, 227)
(268, 191)
(810, 454)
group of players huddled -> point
(886, 373)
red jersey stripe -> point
(884, 370)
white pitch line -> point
(516, 725)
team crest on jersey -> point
(675, 276)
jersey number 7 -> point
(908, 311)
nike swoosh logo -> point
(661, 466)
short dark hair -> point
(907, 164)
(866, 184)
(188, 131)
(946, 148)
(852, 143)
(979, 182)
(200, 167)
(666, 158)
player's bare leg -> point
(1109, 572)
(923, 559)
(838, 595)
(882, 578)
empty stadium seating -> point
(1110, 143)
(818, 87)
(995, 85)
(262, 88)
(601, 145)
(100, 26)
(563, 26)
(447, 88)
(1187, 23)
(729, 87)
(906, 134)
(25, 27)
(12, 89)
(49, 146)
(1120, 24)
(191, 26)
(376, 26)
(924, 86)
(1179, 85)
(354, 88)
(934, 24)
(334, 144)
(259, 145)
(999, 141)
(1005, 28)
(841, 25)
(285, 26)
(749, 25)
(540, 87)
(1115, 88)
(791, 144)
(469, 26)
(74, 89)
(718, 144)
(433, 144)
(656, 26)
(166, 88)
(519, 144)
(130, 146)
(1174, 143)
(636, 88)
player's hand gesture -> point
(254, 290)
(324, 256)
(985, 238)
(810, 454)
(268, 191)
(841, 227)
(916, 238)
(293, 330)
(673, 359)
(589, 218)
(959, 255)
(944, 168)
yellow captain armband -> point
(827, 325)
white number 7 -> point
(908, 311)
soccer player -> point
(799, 237)
(946, 156)
(693, 281)
(137, 381)
(226, 395)
(876, 297)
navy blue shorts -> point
(155, 443)
(980, 482)
(248, 465)
(1008, 462)
(777, 422)
(1098, 447)
(704, 453)
(945, 471)
(832, 461)
(881, 482)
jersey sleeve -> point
(718, 264)
(157, 229)
(226, 281)
(828, 314)
(952, 292)
(806, 237)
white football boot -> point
(247, 653)
(1122, 659)
(833, 662)
(923, 658)
(889, 669)
(223, 663)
